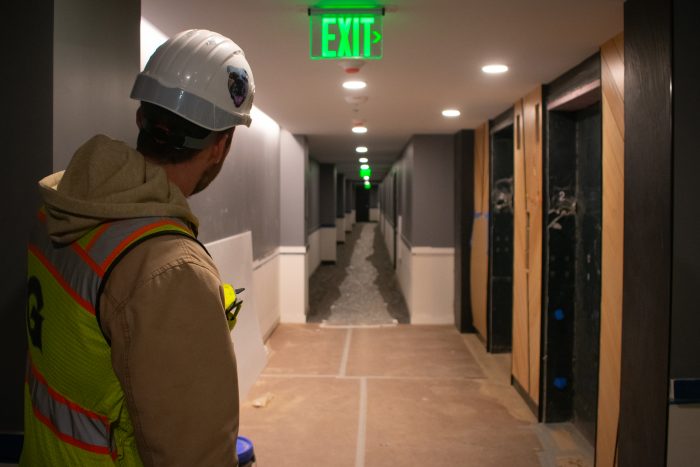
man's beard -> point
(207, 177)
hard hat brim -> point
(187, 105)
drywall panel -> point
(403, 271)
(479, 266)
(234, 259)
(373, 214)
(293, 284)
(612, 83)
(266, 289)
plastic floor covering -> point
(360, 288)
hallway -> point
(360, 288)
(387, 394)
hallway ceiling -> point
(433, 54)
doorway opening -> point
(500, 298)
(572, 249)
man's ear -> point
(223, 144)
(139, 118)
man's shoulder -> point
(154, 256)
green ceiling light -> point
(365, 172)
(368, 185)
(346, 33)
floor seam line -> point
(346, 354)
(362, 426)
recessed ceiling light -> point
(361, 149)
(359, 129)
(363, 160)
(364, 166)
(451, 113)
(354, 85)
(494, 69)
(366, 177)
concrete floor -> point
(359, 390)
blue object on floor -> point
(245, 451)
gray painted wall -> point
(405, 193)
(313, 219)
(96, 58)
(246, 194)
(386, 197)
(327, 195)
(349, 196)
(374, 197)
(27, 137)
(340, 198)
(432, 209)
(425, 191)
(293, 161)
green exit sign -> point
(340, 34)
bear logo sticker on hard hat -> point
(237, 84)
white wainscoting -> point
(683, 434)
(432, 275)
(313, 253)
(328, 243)
(266, 278)
(293, 286)
(234, 259)
(374, 214)
(389, 239)
(426, 278)
(340, 229)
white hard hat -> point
(201, 76)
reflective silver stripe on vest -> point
(78, 276)
(120, 230)
(90, 431)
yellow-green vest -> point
(74, 411)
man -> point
(130, 358)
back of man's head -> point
(195, 86)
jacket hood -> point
(107, 180)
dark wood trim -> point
(580, 76)
(501, 121)
(647, 237)
(464, 214)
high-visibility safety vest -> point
(74, 411)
